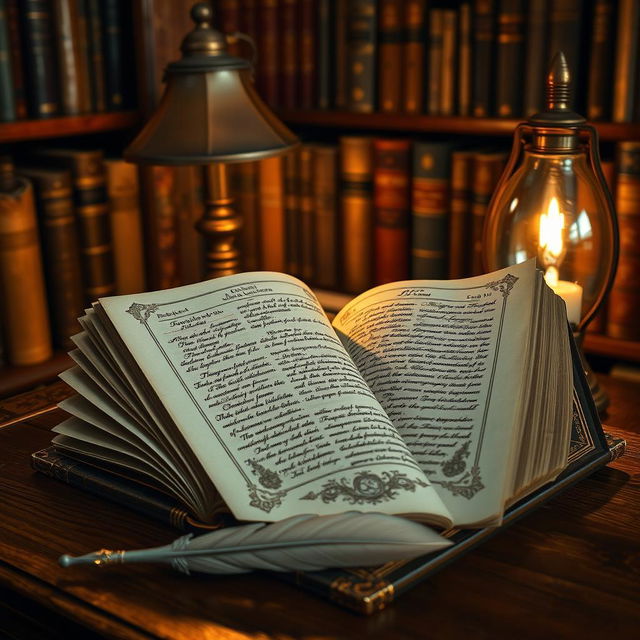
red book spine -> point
(308, 47)
(392, 203)
(269, 64)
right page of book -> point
(446, 360)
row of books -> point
(479, 58)
(64, 57)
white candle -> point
(570, 292)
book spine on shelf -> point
(536, 57)
(356, 189)
(272, 222)
(510, 58)
(308, 53)
(415, 25)
(246, 190)
(113, 61)
(16, 59)
(392, 202)
(449, 63)
(292, 212)
(625, 84)
(229, 21)
(269, 63)
(188, 200)
(483, 56)
(600, 61)
(96, 57)
(361, 55)
(325, 172)
(7, 96)
(624, 299)
(24, 310)
(390, 61)
(487, 168)
(159, 221)
(306, 238)
(289, 53)
(434, 75)
(341, 31)
(60, 250)
(42, 76)
(81, 35)
(126, 225)
(430, 209)
(326, 60)
(460, 216)
(464, 60)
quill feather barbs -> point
(301, 543)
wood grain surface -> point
(569, 570)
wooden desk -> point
(569, 570)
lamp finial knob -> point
(558, 92)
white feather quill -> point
(306, 542)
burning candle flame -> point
(550, 241)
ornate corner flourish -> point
(469, 489)
(265, 500)
(142, 312)
(504, 285)
(456, 465)
(266, 477)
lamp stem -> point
(219, 224)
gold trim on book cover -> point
(371, 592)
(617, 446)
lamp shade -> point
(210, 111)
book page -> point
(251, 372)
(445, 359)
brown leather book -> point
(245, 188)
(436, 24)
(16, 59)
(356, 195)
(60, 250)
(390, 61)
(268, 75)
(306, 228)
(464, 59)
(290, 49)
(309, 50)
(448, 63)
(126, 225)
(342, 54)
(460, 220)
(487, 168)
(624, 299)
(92, 213)
(24, 311)
(600, 61)
(292, 212)
(325, 196)
(97, 81)
(392, 203)
(536, 56)
(625, 70)
(482, 69)
(415, 25)
(510, 58)
(272, 221)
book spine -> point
(415, 25)
(247, 198)
(510, 58)
(535, 57)
(460, 217)
(361, 55)
(24, 310)
(126, 226)
(356, 194)
(430, 209)
(306, 237)
(272, 214)
(391, 197)
(326, 54)
(308, 46)
(624, 299)
(289, 53)
(188, 198)
(81, 39)
(42, 83)
(16, 59)
(340, 24)
(113, 62)
(292, 212)
(268, 75)
(483, 55)
(7, 96)
(60, 251)
(65, 12)
(487, 168)
(449, 63)
(435, 62)
(626, 65)
(325, 165)
(600, 61)
(96, 58)
(464, 60)
(390, 61)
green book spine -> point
(7, 97)
(430, 209)
(361, 55)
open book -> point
(444, 401)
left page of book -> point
(253, 376)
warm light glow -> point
(551, 276)
(550, 238)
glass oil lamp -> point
(552, 203)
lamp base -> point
(600, 396)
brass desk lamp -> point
(211, 115)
